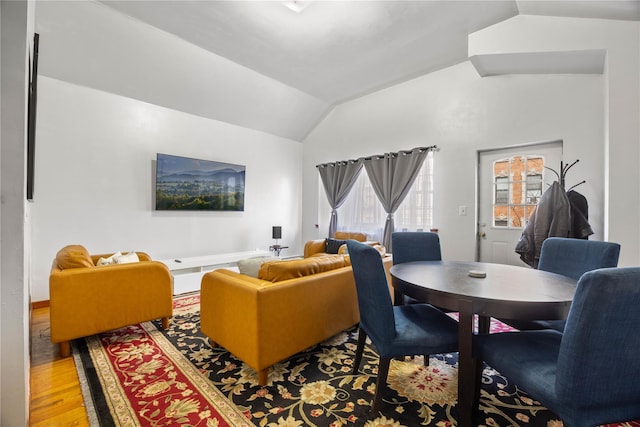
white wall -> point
(94, 180)
(621, 40)
(462, 113)
(16, 29)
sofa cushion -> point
(73, 256)
(332, 246)
(278, 270)
(251, 266)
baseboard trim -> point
(40, 304)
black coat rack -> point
(564, 168)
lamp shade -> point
(277, 232)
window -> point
(416, 211)
(534, 188)
(362, 211)
(502, 190)
(517, 189)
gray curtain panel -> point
(338, 179)
(391, 176)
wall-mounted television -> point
(188, 184)
(31, 117)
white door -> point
(510, 182)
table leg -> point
(484, 323)
(398, 297)
(466, 365)
(484, 326)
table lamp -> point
(276, 233)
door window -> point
(517, 183)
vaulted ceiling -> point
(262, 66)
(339, 50)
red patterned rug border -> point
(115, 396)
(227, 409)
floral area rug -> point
(144, 376)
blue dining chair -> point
(571, 258)
(395, 331)
(588, 375)
(411, 246)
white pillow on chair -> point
(109, 260)
(127, 258)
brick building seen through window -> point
(517, 189)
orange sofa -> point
(86, 299)
(317, 247)
(290, 306)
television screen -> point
(31, 118)
(184, 183)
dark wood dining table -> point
(507, 291)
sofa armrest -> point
(314, 247)
(229, 312)
(86, 301)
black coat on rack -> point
(558, 214)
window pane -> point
(517, 213)
(517, 189)
(502, 191)
(534, 188)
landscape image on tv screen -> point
(184, 183)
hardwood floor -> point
(56, 397)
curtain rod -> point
(377, 156)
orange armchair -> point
(86, 299)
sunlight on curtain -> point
(363, 212)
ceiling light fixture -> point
(296, 5)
